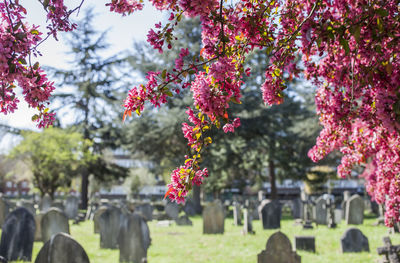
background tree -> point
(92, 94)
(56, 159)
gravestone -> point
(134, 239)
(172, 210)
(96, 217)
(261, 195)
(58, 204)
(18, 235)
(247, 224)
(306, 243)
(110, 222)
(53, 221)
(45, 203)
(183, 221)
(28, 205)
(270, 214)
(346, 197)
(4, 210)
(320, 211)
(355, 210)
(353, 240)
(146, 210)
(71, 207)
(38, 231)
(297, 208)
(62, 248)
(237, 214)
(213, 218)
(390, 252)
(278, 250)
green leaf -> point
(35, 117)
(164, 74)
(357, 31)
(36, 66)
(345, 45)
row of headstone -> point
(124, 230)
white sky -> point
(122, 31)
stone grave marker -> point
(297, 208)
(355, 210)
(4, 210)
(237, 214)
(261, 196)
(45, 203)
(278, 250)
(18, 235)
(390, 252)
(146, 209)
(38, 229)
(58, 204)
(320, 211)
(62, 248)
(306, 243)
(190, 207)
(110, 222)
(213, 218)
(96, 217)
(172, 210)
(346, 196)
(53, 221)
(270, 214)
(247, 224)
(134, 239)
(353, 240)
(71, 207)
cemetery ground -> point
(189, 244)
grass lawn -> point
(181, 244)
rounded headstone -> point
(62, 248)
(213, 218)
(96, 217)
(355, 210)
(18, 235)
(353, 240)
(110, 222)
(53, 221)
(270, 214)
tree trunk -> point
(196, 198)
(272, 178)
(84, 189)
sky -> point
(122, 32)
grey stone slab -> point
(71, 207)
(96, 217)
(278, 250)
(353, 240)
(18, 235)
(270, 214)
(355, 210)
(213, 218)
(110, 222)
(62, 248)
(320, 211)
(306, 243)
(53, 221)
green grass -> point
(181, 244)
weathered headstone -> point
(320, 211)
(355, 210)
(18, 235)
(305, 243)
(146, 210)
(278, 250)
(96, 217)
(71, 207)
(45, 203)
(134, 239)
(4, 210)
(53, 221)
(270, 214)
(247, 224)
(190, 207)
(110, 222)
(213, 218)
(172, 210)
(346, 197)
(183, 221)
(391, 253)
(38, 231)
(353, 240)
(237, 214)
(297, 208)
(62, 248)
